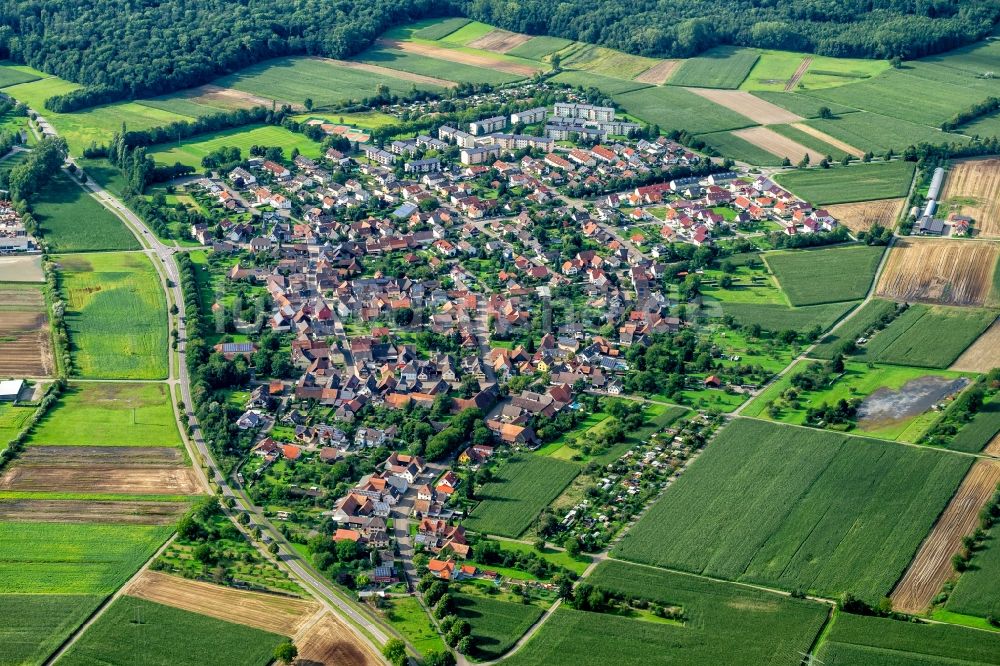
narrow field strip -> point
(779, 146)
(753, 107)
(463, 57)
(386, 71)
(823, 136)
(79, 511)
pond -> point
(887, 406)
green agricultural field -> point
(12, 421)
(674, 108)
(805, 106)
(878, 133)
(857, 381)
(772, 317)
(931, 336)
(36, 624)
(522, 487)
(825, 275)
(190, 151)
(809, 141)
(470, 32)
(109, 414)
(537, 48)
(496, 625)
(11, 76)
(441, 29)
(988, 125)
(857, 182)
(73, 221)
(426, 66)
(104, 173)
(73, 558)
(116, 315)
(978, 589)
(167, 636)
(721, 620)
(294, 79)
(774, 69)
(606, 84)
(408, 617)
(857, 639)
(184, 106)
(796, 508)
(721, 67)
(741, 150)
(853, 328)
(978, 432)
(608, 62)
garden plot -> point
(939, 271)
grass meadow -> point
(191, 151)
(741, 150)
(12, 75)
(721, 620)
(537, 48)
(798, 509)
(671, 108)
(116, 315)
(856, 182)
(721, 67)
(73, 221)
(135, 630)
(978, 589)
(36, 624)
(852, 329)
(606, 84)
(523, 486)
(496, 625)
(109, 414)
(803, 105)
(440, 29)
(978, 432)
(931, 336)
(858, 639)
(775, 68)
(408, 617)
(825, 275)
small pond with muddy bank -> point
(886, 406)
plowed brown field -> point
(88, 456)
(137, 480)
(945, 272)
(81, 511)
(328, 642)
(25, 341)
(751, 106)
(932, 565)
(270, 612)
(863, 215)
(463, 57)
(777, 144)
(973, 188)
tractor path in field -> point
(799, 73)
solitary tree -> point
(286, 652)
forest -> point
(131, 48)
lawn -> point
(721, 621)
(496, 625)
(36, 624)
(741, 150)
(721, 67)
(73, 221)
(116, 314)
(674, 108)
(66, 558)
(825, 275)
(857, 639)
(798, 509)
(190, 151)
(409, 618)
(857, 381)
(293, 79)
(978, 589)
(857, 182)
(930, 336)
(537, 48)
(522, 486)
(878, 133)
(772, 317)
(867, 316)
(442, 69)
(133, 630)
(108, 414)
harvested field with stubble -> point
(463, 57)
(753, 107)
(25, 341)
(659, 73)
(826, 138)
(385, 71)
(777, 145)
(499, 41)
(982, 355)
(939, 271)
(329, 642)
(283, 615)
(136, 480)
(932, 565)
(973, 188)
(74, 511)
(863, 215)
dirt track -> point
(327, 642)
(282, 615)
(499, 41)
(982, 355)
(932, 565)
(395, 73)
(776, 144)
(81, 511)
(944, 272)
(751, 106)
(799, 73)
(145, 480)
(826, 138)
(863, 215)
(659, 73)
(462, 57)
(973, 186)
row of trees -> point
(43, 162)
